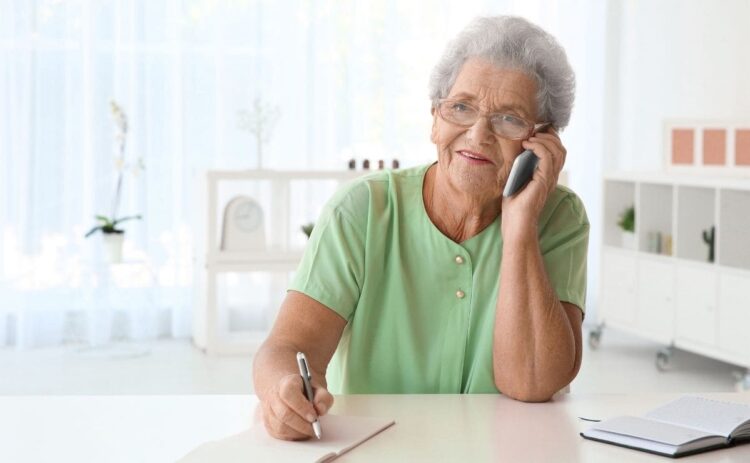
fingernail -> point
(311, 418)
(322, 408)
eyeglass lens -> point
(504, 125)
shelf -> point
(618, 196)
(285, 175)
(683, 299)
(243, 290)
(248, 303)
(695, 215)
(733, 234)
(680, 179)
(254, 258)
(653, 218)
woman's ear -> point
(433, 132)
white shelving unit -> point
(245, 289)
(680, 299)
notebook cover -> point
(676, 455)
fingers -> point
(289, 415)
(323, 400)
(551, 153)
(289, 421)
(290, 392)
(279, 429)
(553, 143)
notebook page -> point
(650, 430)
(340, 434)
(705, 414)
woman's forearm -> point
(534, 348)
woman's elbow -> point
(529, 396)
(528, 391)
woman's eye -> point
(460, 107)
(508, 119)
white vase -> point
(628, 240)
(98, 326)
(3, 329)
(113, 246)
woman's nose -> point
(480, 133)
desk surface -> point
(467, 428)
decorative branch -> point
(260, 122)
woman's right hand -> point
(287, 414)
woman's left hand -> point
(521, 212)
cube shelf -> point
(671, 287)
(239, 292)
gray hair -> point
(512, 42)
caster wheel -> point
(743, 381)
(662, 360)
(595, 338)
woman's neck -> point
(457, 215)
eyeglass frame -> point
(533, 128)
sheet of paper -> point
(650, 430)
(699, 413)
(340, 434)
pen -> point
(304, 371)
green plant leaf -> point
(103, 219)
(125, 219)
(627, 219)
(308, 228)
(92, 231)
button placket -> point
(460, 260)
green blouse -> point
(420, 307)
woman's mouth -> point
(473, 158)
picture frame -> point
(716, 147)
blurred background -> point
(163, 112)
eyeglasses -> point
(503, 125)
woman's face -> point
(476, 160)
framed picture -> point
(717, 147)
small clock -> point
(243, 228)
(248, 215)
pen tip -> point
(316, 429)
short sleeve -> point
(564, 242)
(332, 266)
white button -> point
(459, 260)
(460, 294)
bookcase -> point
(238, 293)
(664, 286)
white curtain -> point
(349, 79)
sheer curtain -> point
(348, 78)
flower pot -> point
(628, 240)
(113, 246)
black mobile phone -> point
(522, 170)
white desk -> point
(428, 428)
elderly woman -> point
(428, 280)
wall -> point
(664, 59)
(685, 59)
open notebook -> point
(682, 427)
(340, 434)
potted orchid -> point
(112, 235)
